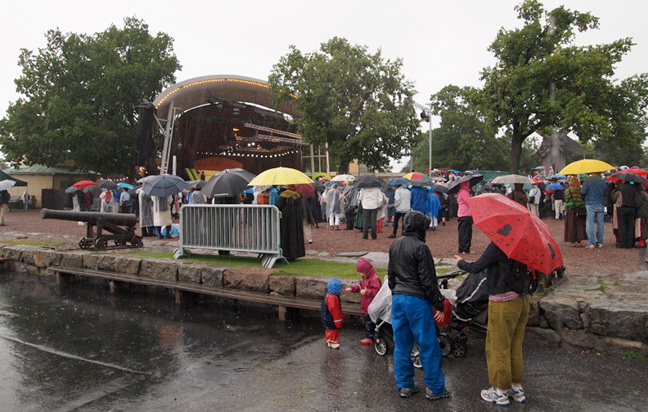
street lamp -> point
(426, 113)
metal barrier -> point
(246, 228)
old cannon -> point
(97, 224)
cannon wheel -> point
(101, 243)
(136, 241)
(83, 244)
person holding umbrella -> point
(595, 191)
(520, 242)
(626, 196)
(464, 218)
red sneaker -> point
(367, 341)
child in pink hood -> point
(368, 286)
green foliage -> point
(357, 102)
(542, 81)
(79, 96)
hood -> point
(366, 268)
(334, 286)
(415, 224)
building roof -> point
(44, 170)
(4, 176)
(196, 91)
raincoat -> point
(332, 317)
(370, 283)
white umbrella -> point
(6, 184)
(508, 179)
(343, 178)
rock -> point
(90, 261)
(247, 278)
(127, 265)
(72, 260)
(310, 287)
(534, 312)
(189, 273)
(544, 338)
(45, 258)
(561, 312)
(619, 319)
(581, 340)
(282, 285)
(212, 276)
(158, 269)
(106, 262)
(12, 253)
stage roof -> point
(196, 92)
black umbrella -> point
(164, 185)
(318, 186)
(71, 189)
(369, 180)
(629, 177)
(441, 187)
(196, 184)
(227, 183)
(473, 179)
(106, 184)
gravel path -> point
(443, 242)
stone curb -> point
(605, 316)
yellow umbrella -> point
(280, 176)
(586, 166)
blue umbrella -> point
(126, 186)
(398, 181)
(555, 186)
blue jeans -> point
(412, 319)
(595, 214)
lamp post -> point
(426, 114)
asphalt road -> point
(355, 378)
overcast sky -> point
(440, 42)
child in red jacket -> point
(332, 313)
(368, 286)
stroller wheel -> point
(446, 344)
(416, 358)
(381, 347)
(460, 350)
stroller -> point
(466, 308)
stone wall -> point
(568, 318)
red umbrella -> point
(84, 183)
(306, 190)
(521, 235)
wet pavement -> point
(79, 348)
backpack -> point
(520, 279)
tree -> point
(356, 102)
(542, 81)
(464, 141)
(79, 97)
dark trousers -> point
(398, 216)
(370, 327)
(369, 220)
(350, 219)
(626, 219)
(465, 233)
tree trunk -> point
(343, 167)
(516, 152)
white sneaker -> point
(589, 247)
(334, 345)
(516, 394)
(491, 395)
